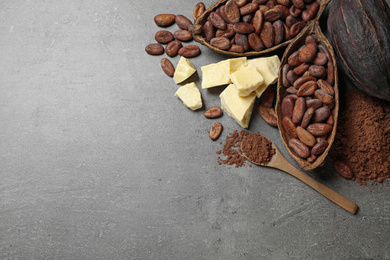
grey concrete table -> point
(99, 160)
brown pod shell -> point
(313, 29)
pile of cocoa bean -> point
(254, 25)
(308, 77)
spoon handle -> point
(332, 195)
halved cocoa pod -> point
(251, 7)
(313, 29)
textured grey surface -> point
(99, 160)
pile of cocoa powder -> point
(363, 137)
(231, 150)
(257, 148)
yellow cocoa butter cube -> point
(218, 74)
(269, 69)
(190, 95)
(247, 79)
(238, 107)
(184, 70)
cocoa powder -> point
(231, 150)
(363, 137)
(257, 148)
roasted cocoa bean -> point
(285, 11)
(199, 9)
(343, 169)
(249, 8)
(319, 148)
(243, 28)
(167, 67)
(242, 40)
(292, 77)
(279, 32)
(297, 28)
(208, 31)
(320, 59)
(215, 131)
(318, 129)
(163, 36)
(301, 68)
(285, 70)
(290, 21)
(268, 114)
(307, 117)
(236, 48)
(330, 120)
(299, 148)
(324, 96)
(312, 158)
(213, 112)
(183, 35)
(287, 35)
(217, 21)
(314, 103)
(330, 71)
(284, 2)
(287, 107)
(173, 48)
(227, 33)
(299, 4)
(154, 49)
(189, 51)
(300, 81)
(307, 89)
(273, 14)
(289, 127)
(263, 8)
(257, 21)
(317, 71)
(267, 34)
(299, 110)
(182, 21)
(220, 43)
(247, 18)
(306, 137)
(291, 90)
(294, 11)
(310, 12)
(325, 86)
(294, 60)
(164, 20)
(308, 53)
(241, 3)
(255, 42)
(321, 138)
(321, 114)
(232, 12)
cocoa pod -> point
(310, 12)
(307, 117)
(318, 129)
(257, 21)
(249, 8)
(242, 40)
(215, 131)
(343, 169)
(232, 12)
(299, 110)
(307, 89)
(183, 35)
(220, 43)
(287, 107)
(213, 112)
(154, 49)
(164, 20)
(319, 148)
(217, 21)
(321, 114)
(243, 28)
(255, 42)
(267, 34)
(199, 9)
(173, 48)
(325, 86)
(324, 96)
(189, 51)
(279, 32)
(299, 148)
(167, 67)
(306, 137)
(208, 31)
(183, 22)
(163, 36)
(268, 114)
(317, 71)
(289, 127)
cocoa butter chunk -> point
(190, 95)
(184, 70)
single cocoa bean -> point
(164, 20)
(321, 114)
(300, 81)
(290, 21)
(294, 60)
(287, 107)
(182, 21)
(257, 21)
(267, 34)
(279, 32)
(312, 158)
(307, 117)
(318, 129)
(285, 11)
(268, 97)
(232, 12)
(173, 48)
(289, 127)
(343, 169)
(299, 110)
(310, 12)
(301, 68)
(320, 59)
(287, 35)
(249, 8)
(213, 112)
(307, 89)
(268, 114)
(263, 8)
(228, 32)
(247, 18)
(284, 2)
(167, 67)
(255, 42)
(163, 36)
(299, 4)
(183, 35)
(325, 86)
(297, 28)
(308, 53)
(285, 70)
(199, 9)
(292, 77)
(189, 51)
(299, 148)
(241, 3)
(208, 31)
(217, 21)
(313, 103)
(216, 130)
(243, 28)
(154, 49)
(319, 148)
(273, 14)
(330, 120)
(236, 48)
(324, 96)
(306, 137)
(317, 71)
(242, 40)
(291, 90)
(294, 11)
(330, 71)
(220, 43)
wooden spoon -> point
(279, 162)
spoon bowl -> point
(278, 161)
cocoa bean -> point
(189, 51)
(255, 42)
(242, 40)
(330, 71)
(321, 114)
(299, 148)
(220, 43)
(263, 8)
(279, 32)
(232, 12)
(164, 20)
(199, 9)
(257, 21)
(267, 34)
(330, 120)
(183, 35)
(208, 31)
(324, 96)
(236, 48)
(289, 127)
(299, 110)
(299, 4)
(343, 169)
(290, 21)
(294, 60)
(307, 89)
(301, 68)
(173, 48)
(217, 21)
(285, 70)
(287, 107)
(296, 28)
(243, 28)
(291, 90)
(241, 3)
(167, 67)
(313, 103)
(325, 86)
(306, 137)
(294, 11)
(312, 158)
(268, 114)
(285, 11)
(163, 36)
(320, 59)
(154, 49)
(321, 138)
(284, 2)
(318, 129)
(247, 18)
(323, 49)
(228, 32)
(287, 35)
(317, 71)
(273, 14)
(249, 8)
(308, 53)
(213, 112)
(307, 117)
(310, 12)
(271, 4)
(300, 81)
(216, 130)
(319, 148)
(292, 77)
(182, 21)
(268, 97)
